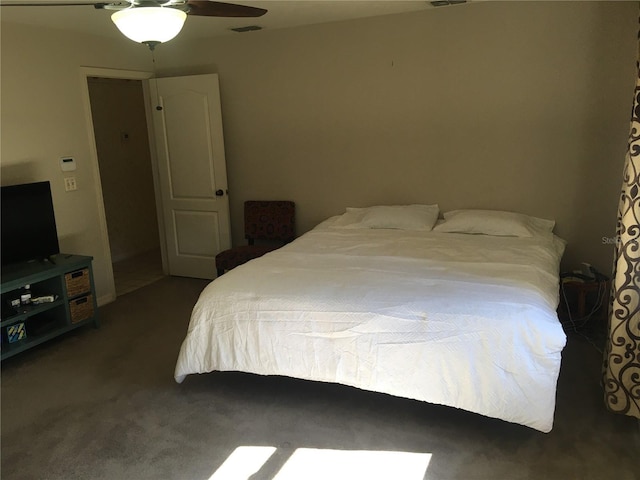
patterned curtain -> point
(622, 357)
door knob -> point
(219, 192)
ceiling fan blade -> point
(219, 9)
(115, 5)
(49, 4)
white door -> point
(187, 123)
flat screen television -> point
(28, 224)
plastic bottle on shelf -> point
(25, 295)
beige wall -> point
(510, 105)
(42, 118)
(507, 105)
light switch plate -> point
(70, 184)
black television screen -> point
(28, 224)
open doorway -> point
(124, 160)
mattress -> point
(467, 321)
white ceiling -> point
(281, 14)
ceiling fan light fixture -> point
(150, 25)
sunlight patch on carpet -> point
(321, 464)
(242, 463)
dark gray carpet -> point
(102, 404)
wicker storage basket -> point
(81, 308)
(77, 282)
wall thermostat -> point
(68, 164)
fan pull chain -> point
(155, 77)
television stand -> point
(69, 279)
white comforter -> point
(467, 321)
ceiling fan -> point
(155, 21)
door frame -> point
(144, 76)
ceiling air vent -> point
(442, 3)
(248, 28)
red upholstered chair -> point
(272, 223)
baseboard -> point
(104, 299)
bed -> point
(459, 311)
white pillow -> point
(351, 218)
(404, 217)
(494, 222)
